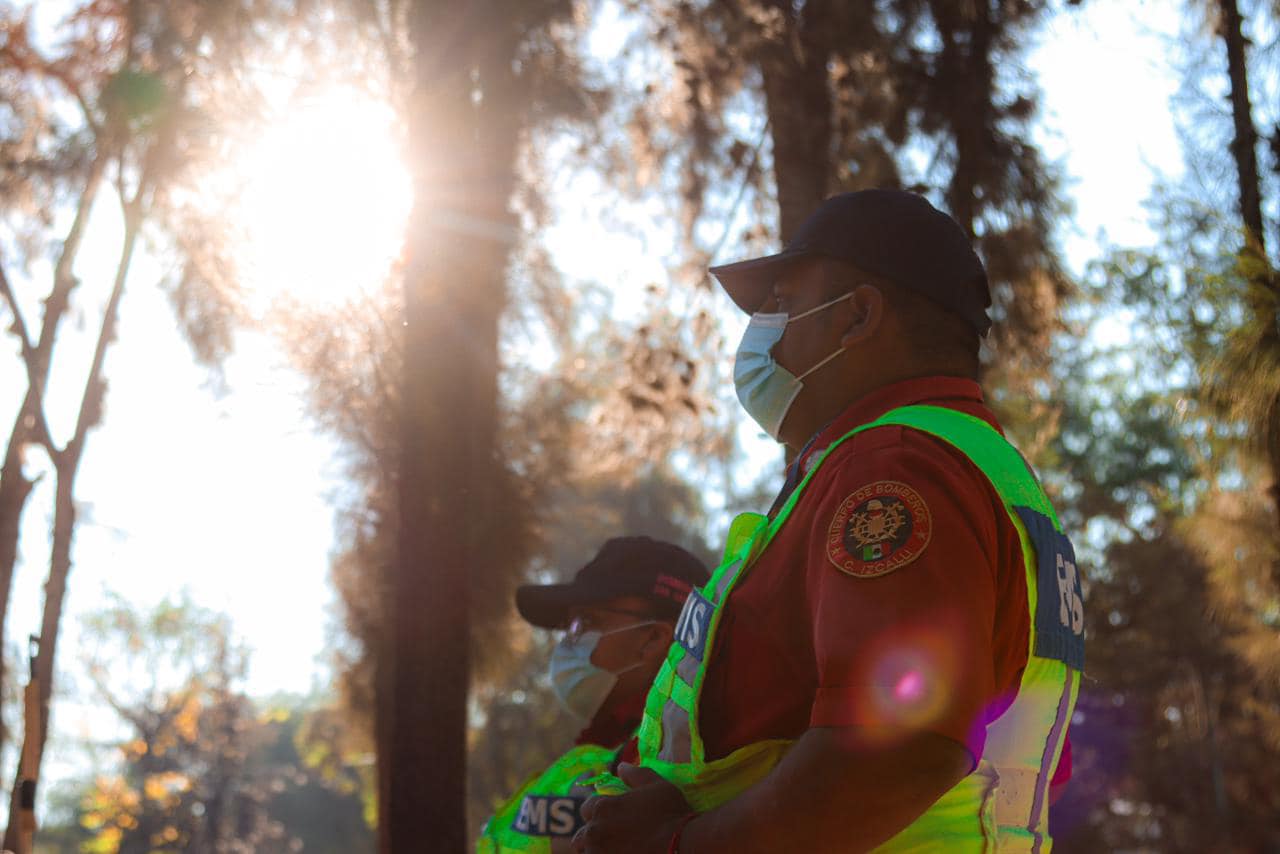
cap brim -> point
(548, 605)
(748, 283)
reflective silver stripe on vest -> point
(687, 669)
(1046, 760)
(676, 741)
(725, 581)
(1015, 795)
(675, 734)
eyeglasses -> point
(590, 622)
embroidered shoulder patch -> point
(882, 527)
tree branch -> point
(133, 208)
(35, 404)
(95, 676)
(91, 401)
(19, 54)
(19, 324)
(63, 281)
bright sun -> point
(325, 202)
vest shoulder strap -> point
(998, 459)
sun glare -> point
(325, 201)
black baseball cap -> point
(661, 572)
(894, 234)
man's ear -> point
(867, 303)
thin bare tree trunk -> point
(67, 464)
(30, 424)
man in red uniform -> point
(886, 624)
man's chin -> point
(789, 439)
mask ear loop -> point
(818, 308)
(630, 667)
(600, 634)
(628, 628)
(812, 311)
(626, 669)
(820, 364)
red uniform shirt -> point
(616, 725)
(894, 594)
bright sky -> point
(1104, 70)
(227, 496)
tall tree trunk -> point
(1244, 144)
(1244, 148)
(798, 100)
(462, 150)
(384, 675)
(797, 97)
(966, 66)
(67, 464)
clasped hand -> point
(640, 821)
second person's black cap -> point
(894, 234)
(658, 571)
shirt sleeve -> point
(902, 590)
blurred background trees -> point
(1164, 455)
(198, 765)
(532, 410)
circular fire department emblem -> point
(882, 527)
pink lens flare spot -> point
(910, 687)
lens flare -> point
(912, 674)
(910, 687)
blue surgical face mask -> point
(580, 685)
(765, 388)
